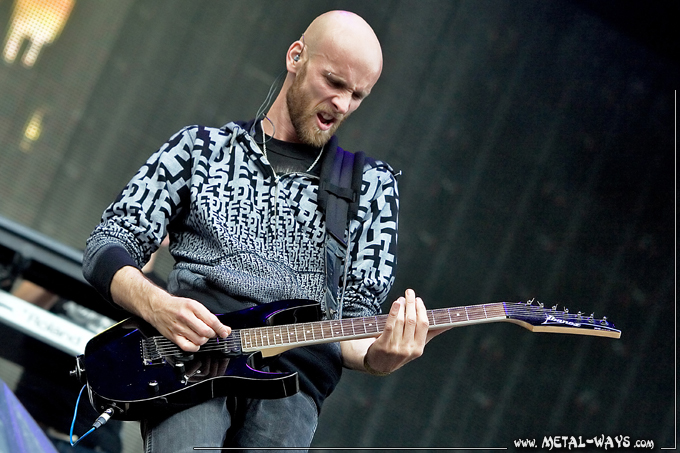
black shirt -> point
(286, 157)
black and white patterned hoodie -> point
(239, 229)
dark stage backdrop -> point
(536, 141)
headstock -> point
(537, 318)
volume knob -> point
(153, 388)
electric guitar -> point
(131, 369)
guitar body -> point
(135, 384)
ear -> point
(294, 51)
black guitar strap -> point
(338, 199)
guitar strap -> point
(338, 199)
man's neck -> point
(278, 123)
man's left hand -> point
(404, 338)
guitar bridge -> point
(151, 351)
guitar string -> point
(437, 315)
(165, 347)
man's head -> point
(331, 69)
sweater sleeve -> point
(373, 246)
(134, 225)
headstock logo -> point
(550, 319)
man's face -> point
(308, 117)
(323, 94)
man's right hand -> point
(185, 322)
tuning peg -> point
(529, 302)
(540, 304)
(578, 315)
(554, 307)
(604, 320)
(566, 310)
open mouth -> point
(325, 120)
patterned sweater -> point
(238, 229)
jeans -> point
(235, 422)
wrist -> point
(133, 291)
(370, 370)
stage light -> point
(38, 21)
(32, 130)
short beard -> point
(297, 100)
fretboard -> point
(288, 336)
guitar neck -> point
(272, 340)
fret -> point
(245, 339)
(276, 331)
(346, 328)
(447, 317)
(266, 336)
(496, 310)
(336, 329)
(380, 323)
(357, 328)
(439, 316)
(327, 328)
(364, 327)
(343, 328)
(371, 324)
(299, 336)
(475, 312)
(345, 323)
(251, 338)
(458, 314)
(262, 338)
(354, 332)
(285, 335)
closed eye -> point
(340, 84)
(335, 82)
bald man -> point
(239, 204)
